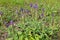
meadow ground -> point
(29, 19)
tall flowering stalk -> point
(35, 7)
(42, 14)
(36, 15)
(32, 11)
(22, 10)
(36, 12)
(52, 18)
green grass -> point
(32, 25)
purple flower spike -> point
(11, 22)
(35, 6)
(31, 5)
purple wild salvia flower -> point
(11, 22)
(35, 6)
(31, 5)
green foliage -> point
(30, 25)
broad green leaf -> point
(9, 39)
(26, 38)
(31, 38)
(21, 37)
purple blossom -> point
(35, 6)
(11, 22)
(31, 5)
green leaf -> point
(9, 39)
(26, 38)
(15, 37)
(36, 37)
(21, 37)
(31, 38)
(19, 32)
